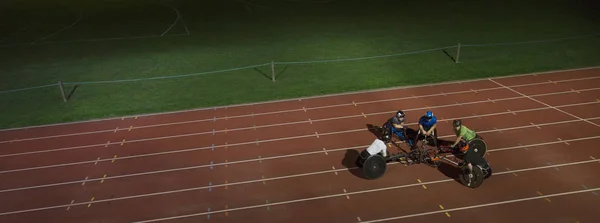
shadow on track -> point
(350, 161)
(450, 171)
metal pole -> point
(457, 52)
(273, 71)
(62, 91)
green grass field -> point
(42, 42)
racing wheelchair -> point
(375, 166)
(475, 178)
(481, 169)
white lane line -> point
(274, 157)
(284, 177)
(467, 91)
(247, 143)
(331, 133)
(297, 122)
(61, 30)
(311, 97)
(294, 110)
(547, 105)
(246, 128)
(61, 149)
(360, 192)
(485, 205)
(184, 25)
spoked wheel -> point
(431, 157)
(472, 179)
(385, 135)
(414, 155)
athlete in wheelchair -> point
(466, 136)
(471, 149)
(395, 126)
(427, 129)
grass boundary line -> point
(60, 30)
(174, 22)
(308, 97)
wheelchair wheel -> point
(385, 135)
(476, 178)
(374, 167)
(431, 157)
(478, 146)
(487, 173)
(487, 170)
(362, 158)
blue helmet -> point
(429, 114)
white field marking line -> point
(539, 144)
(290, 176)
(242, 116)
(292, 110)
(62, 135)
(15, 32)
(247, 143)
(278, 157)
(457, 92)
(360, 192)
(469, 91)
(313, 2)
(174, 22)
(252, 4)
(374, 101)
(463, 104)
(203, 166)
(211, 147)
(484, 205)
(547, 105)
(184, 25)
(86, 40)
(287, 123)
(61, 30)
(305, 98)
(247, 7)
(290, 155)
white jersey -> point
(376, 147)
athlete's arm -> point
(457, 140)
(397, 123)
(421, 129)
(434, 120)
(431, 129)
(399, 126)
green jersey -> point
(465, 132)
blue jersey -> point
(427, 124)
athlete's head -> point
(429, 115)
(457, 123)
(400, 114)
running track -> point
(292, 161)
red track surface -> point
(291, 161)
